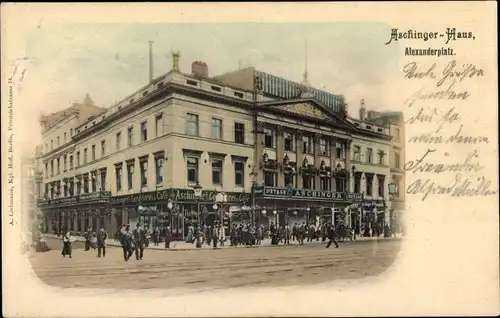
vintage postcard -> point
(254, 159)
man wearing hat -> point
(139, 241)
(102, 236)
(127, 243)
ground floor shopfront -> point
(76, 213)
(302, 206)
(179, 209)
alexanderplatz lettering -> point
(291, 193)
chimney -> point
(175, 61)
(362, 111)
(199, 69)
(150, 61)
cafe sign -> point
(176, 195)
(94, 197)
(293, 193)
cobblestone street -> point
(222, 268)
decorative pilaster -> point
(280, 150)
(350, 180)
(333, 160)
(317, 160)
(300, 156)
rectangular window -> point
(64, 138)
(93, 152)
(268, 138)
(85, 156)
(269, 178)
(288, 140)
(369, 155)
(308, 182)
(118, 141)
(58, 166)
(381, 157)
(159, 125)
(216, 128)
(356, 153)
(308, 144)
(217, 171)
(192, 169)
(71, 162)
(86, 184)
(103, 179)
(51, 145)
(357, 183)
(46, 170)
(239, 133)
(381, 185)
(289, 180)
(130, 175)
(340, 150)
(397, 133)
(58, 143)
(71, 132)
(340, 185)
(52, 168)
(118, 172)
(323, 147)
(78, 158)
(144, 131)
(192, 125)
(130, 134)
(369, 185)
(325, 183)
(396, 160)
(65, 163)
(159, 170)
(144, 173)
(94, 181)
(103, 148)
(239, 173)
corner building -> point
(147, 157)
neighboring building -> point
(143, 158)
(28, 197)
(395, 122)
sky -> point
(110, 61)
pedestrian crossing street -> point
(224, 268)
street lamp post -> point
(220, 199)
(198, 191)
(393, 189)
(275, 213)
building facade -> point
(395, 122)
(187, 149)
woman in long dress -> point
(66, 245)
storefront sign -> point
(293, 193)
(176, 195)
(373, 204)
(94, 197)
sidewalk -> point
(183, 246)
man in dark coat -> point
(139, 241)
(168, 236)
(215, 234)
(127, 243)
(102, 236)
(88, 239)
(331, 236)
